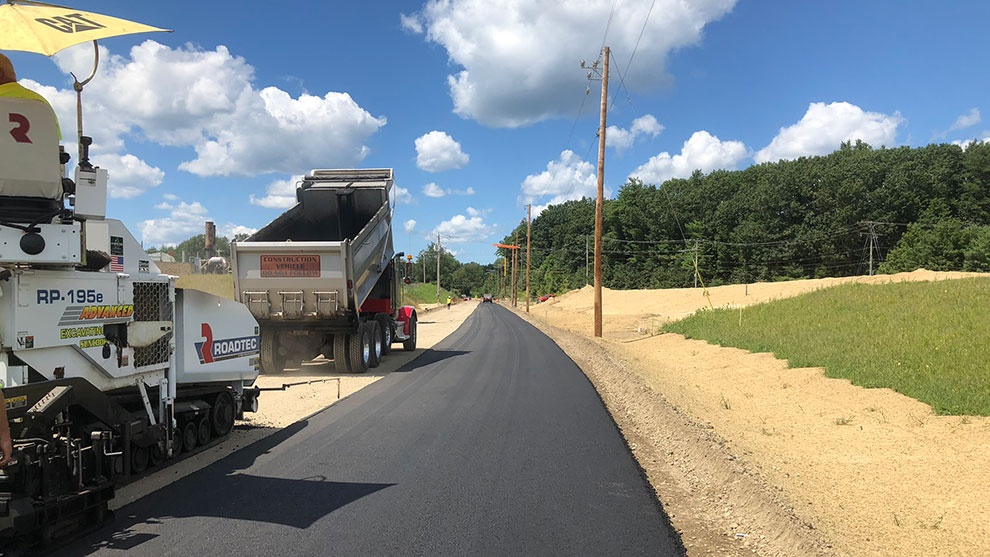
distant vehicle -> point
(464, 298)
(486, 299)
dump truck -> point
(323, 278)
(106, 367)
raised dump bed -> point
(321, 277)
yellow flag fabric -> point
(49, 29)
(18, 91)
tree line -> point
(812, 217)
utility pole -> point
(874, 240)
(514, 266)
(600, 201)
(696, 263)
(529, 227)
(586, 281)
(438, 268)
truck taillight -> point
(350, 284)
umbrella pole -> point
(78, 86)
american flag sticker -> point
(116, 263)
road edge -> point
(714, 499)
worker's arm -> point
(6, 445)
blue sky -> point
(212, 121)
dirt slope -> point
(876, 472)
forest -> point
(895, 209)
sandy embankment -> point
(872, 471)
(278, 409)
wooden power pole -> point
(529, 227)
(438, 268)
(600, 201)
(515, 265)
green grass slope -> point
(420, 293)
(927, 340)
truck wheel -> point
(410, 345)
(271, 360)
(223, 414)
(203, 431)
(189, 435)
(375, 330)
(139, 459)
(340, 353)
(388, 335)
(359, 349)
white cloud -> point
(566, 178)
(964, 121)
(519, 58)
(620, 138)
(230, 230)
(473, 212)
(206, 99)
(410, 23)
(184, 220)
(409, 226)
(702, 151)
(171, 196)
(825, 126)
(965, 143)
(402, 195)
(433, 190)
(436, 151)
(461, 229)
(129, 175)
(281, 194)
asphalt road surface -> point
(493, 442)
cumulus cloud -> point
(409, 226)
(402, 195)
(702, 151)
(569, 177)
(436, 151)
(129, 175)
(487, 40)
(825, 126)
(965, 143)
(183, 220)
(433, 190)
(461, 229)
(622, 138)
(207, 100)
(964, 121)
(280, 194)
(230, 230)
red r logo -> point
(23, 126)
(206, 352)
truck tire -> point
(359, 349)
(388, 334)
(271, 360)
(222, 414)
(375, 330)
(340, 353)
(410, 345)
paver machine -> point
(323, 278)
(106, 367)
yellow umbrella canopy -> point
(47, 29)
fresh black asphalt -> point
(492, 442)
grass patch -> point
(218, 285)
(420, 293)
(927, 340)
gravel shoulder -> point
(280, 409)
